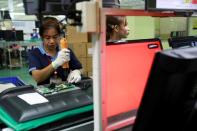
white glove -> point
(62, 57)
(74, 76)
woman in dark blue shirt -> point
(47, 60)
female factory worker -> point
(116, 28)
(47, 60)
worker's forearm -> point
(43, 74)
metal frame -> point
(99, 92)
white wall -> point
(141, 27)
(169, 24)
(192, 21)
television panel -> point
(182, 42)
(172, 5)
(31, 7)
(169, 99)
(125, 69)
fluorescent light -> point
(19, 5)
(3, 9)
(15, 13)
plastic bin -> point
(14, 80)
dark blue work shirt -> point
(39, 59)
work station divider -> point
(124, 71)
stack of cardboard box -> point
(89, 59)
(82, 47)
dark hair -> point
(111, 22)
(49, 22)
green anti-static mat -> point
(5, 118)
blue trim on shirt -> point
(42, 50)
(31, 69)
(38, 59)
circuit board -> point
(54, 88)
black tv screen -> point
(31, 7)
(1, 35)
(169, 99)
(172, 5)
(10, 35)
(182, 42)
(19, 35)
(51, 7)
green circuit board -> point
(54, 88)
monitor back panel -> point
(57, 102)
(125, 69)
(182, 42)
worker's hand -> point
(62, 57)
(74, 76)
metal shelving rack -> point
(11, 63)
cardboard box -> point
(89, 74)
(79, 49)
(89, 64)
(84, 63)
(85, 73)
(75, 37)
(89, 49)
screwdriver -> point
(63, 45)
